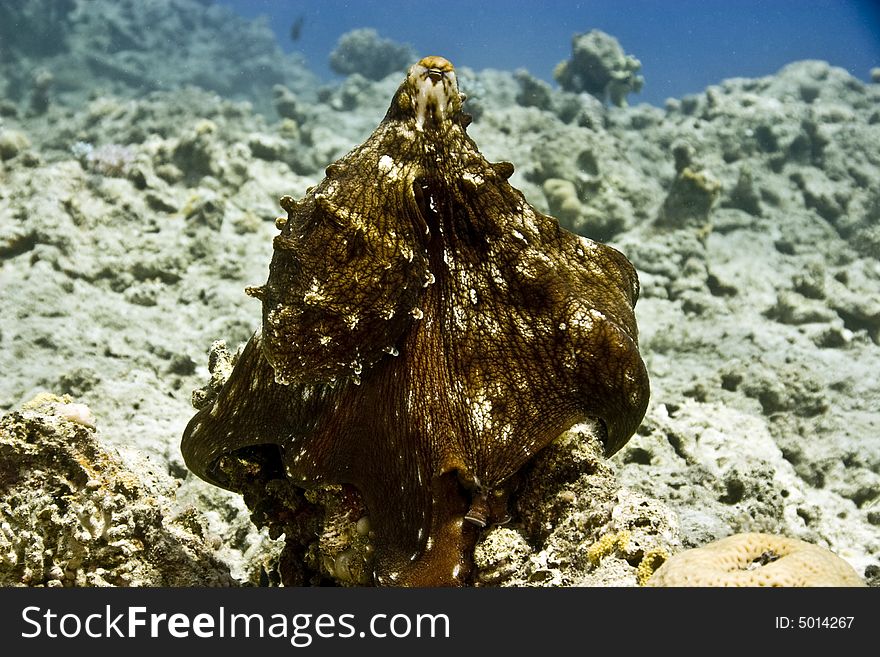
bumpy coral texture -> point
(599, 66)
(364, 52)
(756, 559)
(72, 513)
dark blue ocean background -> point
(684, 45)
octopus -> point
(425, 333)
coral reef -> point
(690, 199)
(364, 52)
(12, 142)
(573, 524)
(75, 513)
(758, 316)
(533, 92)
(756, 560)
(599, 66)
(114, 160)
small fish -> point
(296, 27)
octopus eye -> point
(435, 74)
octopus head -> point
(429, 94)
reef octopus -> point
(425, 333)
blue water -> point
(684, 45)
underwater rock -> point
(591, 190)
(364, 52)
(758, 486)
(573, 524)
(693, 192)
(287, 105)
(690, 199)
(113, 160)
(744, 195)
(75, 513)
(599, 67)
(533, 92)
(602, 217)
(793, 308)
(821, 194)
(440, 277)
(39, 97)
(12, 142)
(564, 202)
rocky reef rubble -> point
(365, 53)
(131, 222)
(600, 67)
(76, 513)
(574, 524)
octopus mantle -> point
(425, 333)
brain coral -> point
(755, 559)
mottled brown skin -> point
(425, 333)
